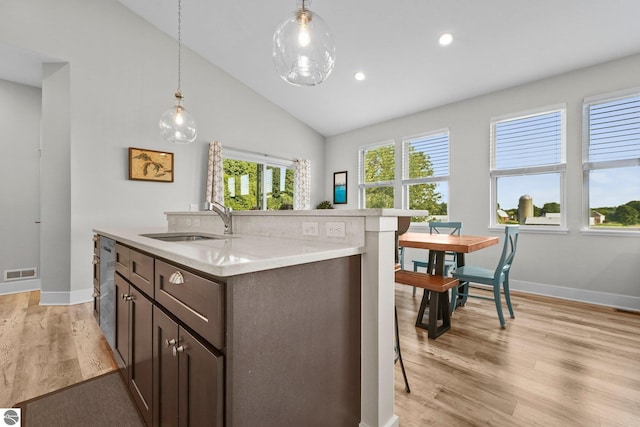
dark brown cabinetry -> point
(195, 300)
(269, 348)
(134, 344)
(134, 323)
(188, 377)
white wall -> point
(122, 78)
(595, 268)
(19, 179)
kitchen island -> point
(306, 300)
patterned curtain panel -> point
(302, 185)
(215, 174)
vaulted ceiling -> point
(497, 44)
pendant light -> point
(176, 124)
(303, 48)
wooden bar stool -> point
(438, 286)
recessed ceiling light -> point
(445, 39)
(359, 76)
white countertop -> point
(232, 255)
(377, 212)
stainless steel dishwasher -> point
(107, 289)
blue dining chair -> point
(498, 278)
(438, 227)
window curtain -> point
(215, 174)
(302, 185)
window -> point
(528, 168)
(377, 175)
(425, 170)
(611, 161)
(254, 182)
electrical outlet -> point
(187, 222)
(196, 222)
(309, 228)
(335, 229)
(193, 207)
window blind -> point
(529, 141)
(614, 130)
(426, 156)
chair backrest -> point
(453, 227)
(511, 233)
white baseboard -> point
(66, 298)
(394, 421)
(15, 287)
(622, 302)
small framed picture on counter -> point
(150, 165)
(340, 188)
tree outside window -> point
(247, 185)
(425, 172)
(377, 176)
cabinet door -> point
(122, 321)
(201, 382)
(165, 391)
(140, 372)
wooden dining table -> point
(438, 245)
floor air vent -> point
(21, 274)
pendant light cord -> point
(179, 46)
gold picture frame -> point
(150, 165)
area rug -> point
(100, 401)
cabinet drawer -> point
(197, 301)
(141, 271)
(122, 260)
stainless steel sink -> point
(182, 237)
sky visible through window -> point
(614, 187)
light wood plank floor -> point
(556, 364)
(45, 348)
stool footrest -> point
(429, 282)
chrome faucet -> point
(224, 213)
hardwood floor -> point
(44, 348)
(557, 363)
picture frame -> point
(150, 165)
(340, 188)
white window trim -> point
(559, 168)
(589, 166)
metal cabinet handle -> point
(170, 342)
(95, 238)
(127, 297)
(124, 296)
(178, 349)
(95, 295)
(176, 278)
(95, 261)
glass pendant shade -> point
(303, 48)
(177, 125)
